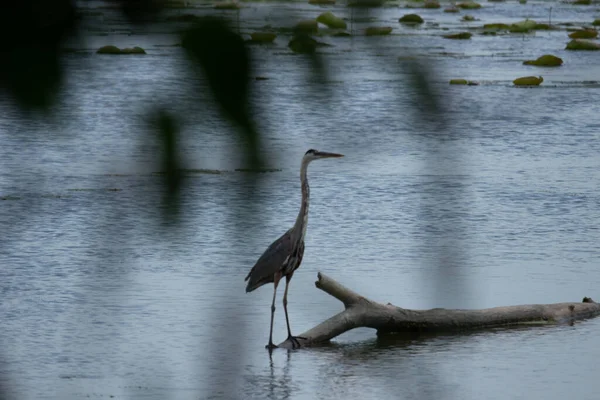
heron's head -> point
(313, 154)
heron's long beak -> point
(323, 154)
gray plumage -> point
(277, 258)
(285, 254)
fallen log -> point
(389, 319)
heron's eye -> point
(311, 151)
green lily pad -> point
(116, 50)
(463, 82)
(579, 44)
(411, 19)
(331, 21)
(547, 60)
(378, 30)
(263, 37)
(431, 4)
(459, 36)
(584, 34)
(528, 81)
(469, 5)
(496, 26)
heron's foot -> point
(271, 346)
(294, 341)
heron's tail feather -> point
(254, 282)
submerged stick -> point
(387, 319)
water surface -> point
(497, 204)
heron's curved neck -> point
(302, 219)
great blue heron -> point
(284, 255)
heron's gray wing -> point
(270, 262)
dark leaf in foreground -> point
(139, 11)
(31, 35)
(225, 60)
(171, 164)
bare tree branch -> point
(387, 318)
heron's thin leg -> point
(293, 339)
(288, 278)
(275, 283)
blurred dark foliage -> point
(426, 102)
(167, 130)
(140, 11)
(31, 35)
(225, 60)
(223, 56)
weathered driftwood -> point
(387, 318)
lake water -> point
(497, 204)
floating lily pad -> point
(579, 44)
(584, 34)
(378, 30)
(116, 50)
(263, 37)
(9, 198)
(109, 50)
(411, 19)
(133, 50)
(431, 4)
(468, 18)
(322, 2)
(331, 21)
(469, 5)
(528, 81)
(365, 3)
(523, 26)
(596, 22)
(496, 26)
(463, 82)
(451, 10)
(547, 60)
(459, 36)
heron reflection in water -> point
(284, 255)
